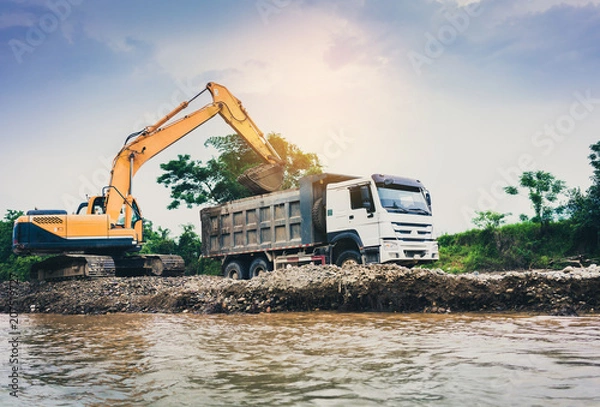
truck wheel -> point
(235, 270)
(259, 266)
(318, 216)
(349, 258)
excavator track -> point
(164, 265)
(71, 266)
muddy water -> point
(309, 359)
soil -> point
(387, 288)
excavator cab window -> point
(98, 206)
(82, 209)
(121, 219)
(136, 213)
(134, 217)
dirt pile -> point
(363, 288)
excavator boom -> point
(154, 139)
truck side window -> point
(360, 197)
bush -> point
(518, 246)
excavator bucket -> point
(262, 179)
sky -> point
(464, 95)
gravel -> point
(387, 288)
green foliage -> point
(510, 247)
(584, 208)
(297, 163)
(158, 241)
(17, 267)
(195, 183)
(209, 266)
(489, 219)
(188, 246)
(543, 190)
(11, 265)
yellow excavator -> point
(99, 239)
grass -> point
(517, 246)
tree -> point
(195, 183)
(187, 245)
(592, 206)
(189, 248)
(159, 241)
(543, 190)
(489, 219)
(584, 208)
(297, 162)
(11, 265)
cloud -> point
(551, 38)
(17, 19)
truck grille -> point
(414, 232)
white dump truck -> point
(329, 219)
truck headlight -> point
(390, 246)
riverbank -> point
(387, 288)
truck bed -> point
(265, 222)
(270, 222)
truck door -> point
(362, 216)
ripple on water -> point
(309, 359)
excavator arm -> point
(142, 146)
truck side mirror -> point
(367, 199)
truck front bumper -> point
(398, 251)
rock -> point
(361, 288)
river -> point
(302, 359)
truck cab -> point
(380, 219)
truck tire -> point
(234, 270)
(348, 258)
(259, 266)
(318, 215)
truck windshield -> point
(403, 199)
